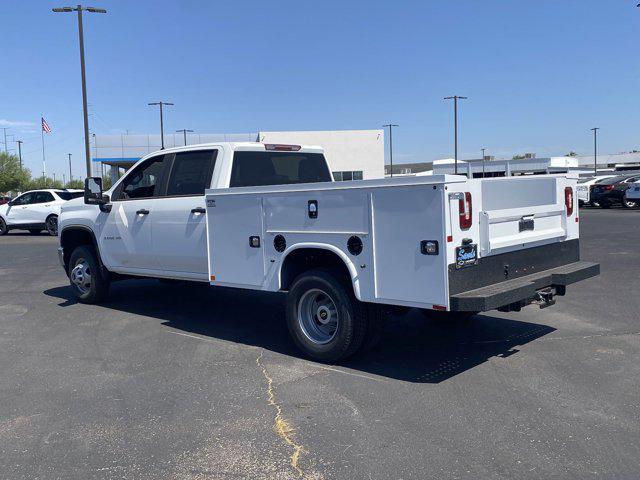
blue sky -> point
(538, 74)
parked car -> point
(633, 193)
(35, 211)
(583, 188)
(4, 199)
(269, 217)
(611, 191)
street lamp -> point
(184, 131)
(483, 162)
(595, 150)
(161, 121)
(390, 125)
(455, 126)
(79, 9)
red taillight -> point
(465, 208)
(608, 187)
(282, 148)
(568, 200)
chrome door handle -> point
(198, 210)
(142, 211)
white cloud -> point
(15, 123)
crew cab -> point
(35, 210)
(269, 217)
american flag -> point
(45, 126)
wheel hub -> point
(318, 316)
(81, 276)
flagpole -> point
(44, 163)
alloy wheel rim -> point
(318, 316)
(52, 225)
(81, 276)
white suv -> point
(35, 211)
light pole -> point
(70, 176)
(390, 125)
(80, 9)
(595, 150)
(19, 142)
(483, 162)
(161, 121)
(455, 126)
(184, 131)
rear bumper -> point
(523, 289)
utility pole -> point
(80, 9)
(70, 176)
(455, 126)
(6, 149)
(161, 121)
(390, 125)
(19, 142)
(595, 150)
(483, 162)
(184, 131)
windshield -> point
(612, 181)
(252, 169)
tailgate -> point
(522, 212)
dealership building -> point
(352, 154)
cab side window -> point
(144, 181)
(43, 197)
(191, 173)
(25, 199)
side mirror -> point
(93, 192)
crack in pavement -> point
(282, 427)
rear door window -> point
(191, 172)
(43, 197)
(252, 169)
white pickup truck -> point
(269, 217)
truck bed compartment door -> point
(518, 212)
(231, 221)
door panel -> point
(126, 236)
(127, 239)
(179, 222)
(19, 213)
(180, 235)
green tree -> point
(106, 183)
(77, 184)
(571, 154)
(12, 176)
(43, 182)
(519, 157)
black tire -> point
(98, 288)
(3, 227)
(628, 203)
(351, 322)
(34, 232)
(52, 225)
(450, 317)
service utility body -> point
(270, 217)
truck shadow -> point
(412, 349)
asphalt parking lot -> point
(187, 382)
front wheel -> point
(628, 203)
(52, 225)
(324, 318)
(3, 227)
(87, 281)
